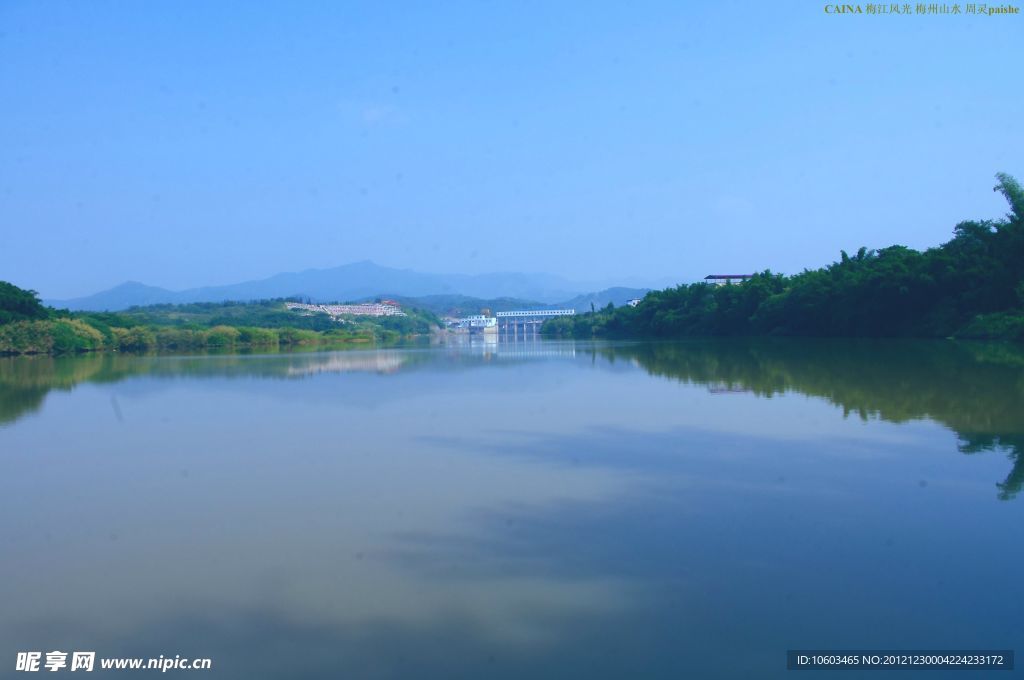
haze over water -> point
(541, 509)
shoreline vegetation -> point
(971, 287)
(28, 327)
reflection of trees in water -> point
(26, 380)
(1014, 444)
(16, 402)
(977, 390)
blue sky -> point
(193, 143)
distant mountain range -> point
(464, 305)
(361, 280)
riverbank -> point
(27, 327)
(627, 323)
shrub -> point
(26, 337)
(179, 338)
(136, 338)
(73, 335)
(61, 336)
(297, 336)
(222, 336)
(257, 336)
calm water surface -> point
(542, 509)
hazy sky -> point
(188, 143)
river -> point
(524, 510)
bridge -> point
(527, 321)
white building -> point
(726, 279)
(477, 321)
(368, 309)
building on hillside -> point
(634, 302)
(726, 279)
(368, 309)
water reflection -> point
(508, 511)
(976, 390)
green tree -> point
(1014, 194)
(18, 304)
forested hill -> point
(19, 305)
(971, 286)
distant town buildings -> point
(382, 308)
(726, 279)
(634, 302)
